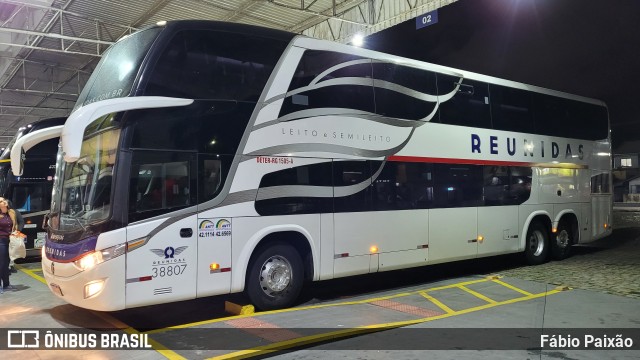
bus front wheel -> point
(275, 277)
(537, 245)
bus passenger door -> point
(453, 221)
(162, 267)
(214, 232)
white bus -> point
(29, 190)
(207, 158)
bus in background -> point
(226, 157)
(29, 189)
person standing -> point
(20, 221)
(8, 224)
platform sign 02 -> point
(427, 19)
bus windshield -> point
(117, 69)
(82, 191)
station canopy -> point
(48, 48)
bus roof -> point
(177, 25)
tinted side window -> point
(289, 200)
(160, 182)
(469, 106)
(212, 171)
(215, 65)
(588, 121)
(396, 102)
(457, 185)
(403, 186)
(352, 186)
(506, 185)
(214, 127)
(511, 109)
(569, 118)
(347, 86)
(600, 184)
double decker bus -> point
(206, 158)
(27, 166)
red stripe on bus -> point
(145, 278)
(458, 161)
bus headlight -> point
(92, 259)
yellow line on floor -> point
(356, 302)
(335, 335)
(511, 287)
(31, 273)
(438, 303)
(477, 294)
(111, 320)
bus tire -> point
(562, 241)
(537, 244)
(275, 277)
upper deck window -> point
(115, 73)
(214, 65)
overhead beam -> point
(50, 49)
(57, 66)
(55, 36)
(28, 91)
(31, 4)
(25, 107)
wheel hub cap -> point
(275, 275)
(536, 243)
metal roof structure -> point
(48, 48)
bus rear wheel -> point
(536, 247)
(561, 244)
(275, 277)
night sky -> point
(585, 47)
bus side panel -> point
(403, 238)
(165, 268)
(600, 215)
(326, 248)
(214, 256)
(399, 237)
(354, 235)
(498, 225)
(453, 234)
(585, 224)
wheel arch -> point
(542, 216)
(568, 215)
(293, 235)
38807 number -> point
(168, 270)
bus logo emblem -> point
(169, 251)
